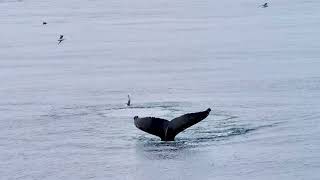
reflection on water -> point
(151, 148)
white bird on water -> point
(129, 101)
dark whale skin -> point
(167, 130)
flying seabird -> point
(265, 5)
(61, 39)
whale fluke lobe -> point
(183, 122)
(152, 125)
(167, 130)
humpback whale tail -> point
(167, 130)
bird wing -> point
(155, 126)
(60, 40)
(185, 121)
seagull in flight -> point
(61, 39)
(265, 5)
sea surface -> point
(63, 112)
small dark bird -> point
(265, 5)
(44, 23)
(61, 39)
(129, 101)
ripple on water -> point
(111, 121)
(207, 133)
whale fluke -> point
(167, 130)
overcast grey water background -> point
(62, 107)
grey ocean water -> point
(63, 113)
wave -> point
(198, 138)
(113, 122)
